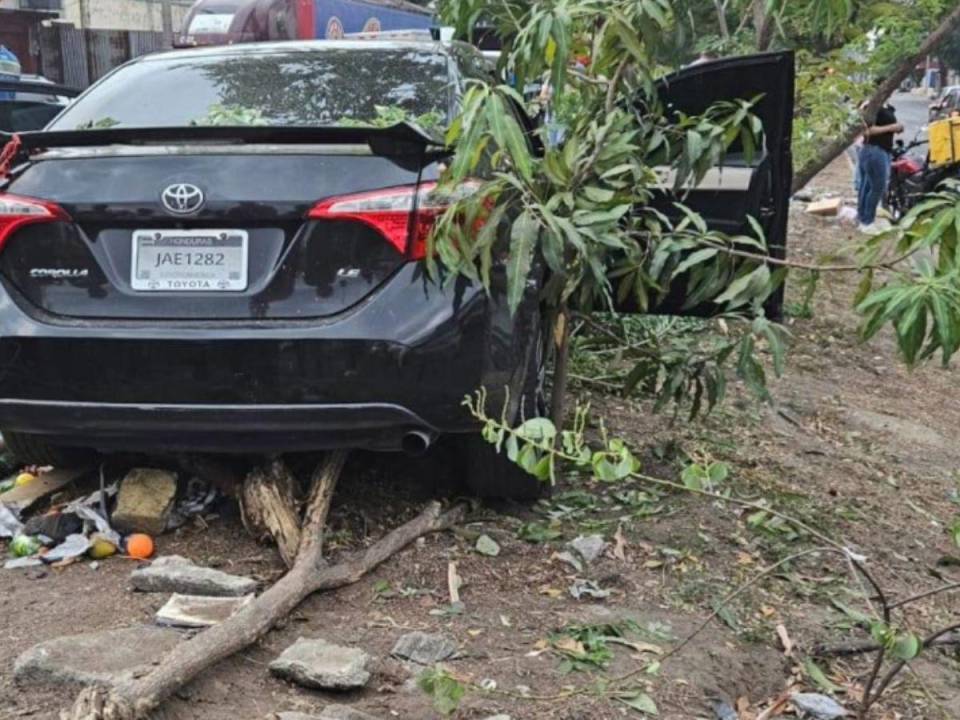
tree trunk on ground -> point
(138, 698)
(270, 510)
(883, 92)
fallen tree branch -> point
(867, 646)
(270, 509)
(136, 699)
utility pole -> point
(166, 14)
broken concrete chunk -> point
(199, 611)
(102, 658)
(589, 547)
(176, 574)
(145, 500)
(424, 648)
(315, 663)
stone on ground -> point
(315, 663)
(144, 502)
(424, 648)
(344, 712)
(199, 611)
(589, 547)
(176, 574)
(330, 712)
(101, 658)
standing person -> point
(874, 166)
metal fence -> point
(78, 58)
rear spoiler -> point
(39, 88)
(406, 144)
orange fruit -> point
(140, 546)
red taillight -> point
(388, 212)
(17, 211)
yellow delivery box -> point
(945, 142)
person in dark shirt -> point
(874, 165)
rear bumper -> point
(401, 361)
(216, 428)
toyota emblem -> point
(182, 198)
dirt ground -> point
(854, 445)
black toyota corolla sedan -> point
(199, 254)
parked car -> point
(29, 102)
(947, 103)
(174, 285)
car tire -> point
(34, 450)
(491, 475)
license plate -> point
(189, 260)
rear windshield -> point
(315, 87)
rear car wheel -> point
(34, 450)
(492, 475)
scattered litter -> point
(828, 207)
(197, 499)
(199, 611)
(71, 548)
(818, 707)
(23, 562)
(25, 546)
(847, 215)
(10, 524)
(24, 479)
(486, 545)
(140, 546)
(589, 547)
(101, 547)
(24, 497)
(56, 525)
(588, 588)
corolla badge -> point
(182, 198)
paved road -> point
(912, 112)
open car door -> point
(739, 188)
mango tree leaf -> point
(640, 702)
(906, 647)
(523, 241)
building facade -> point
(122, 14)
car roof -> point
(295, 46)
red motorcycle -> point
(911, 179)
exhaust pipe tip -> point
(416, 443)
